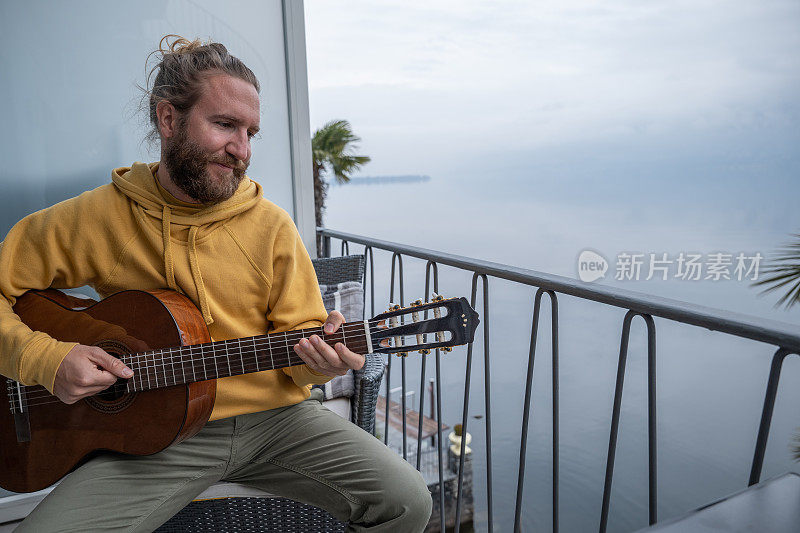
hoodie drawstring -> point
(169, 267)
(198, 277)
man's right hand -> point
(85, 371)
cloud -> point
(483, 76)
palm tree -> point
(784, 271)
(332, 150)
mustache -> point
(236, 164)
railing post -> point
(371, 264)
(766, 414)
(651, 418)
(527, 406)
(487, 397)
(326, 246)
(430, 266)
(399, 258)
(433, 267)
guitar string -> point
(257, 340)
(144, 362)
(179, 352)
(248, 366)
(123, 386)
(174, 353)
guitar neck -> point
(199, 362)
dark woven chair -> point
(269, 513)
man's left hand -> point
(323, 359)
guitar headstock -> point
(440, 323)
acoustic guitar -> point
(162, 337)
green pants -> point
(304, 452)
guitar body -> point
(140, 423)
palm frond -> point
(783, 270)
(332, 149)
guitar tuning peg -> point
(416, 302)
(424, 351)
(436, 297)
(402, 354)
(393, 307)
(446, 349)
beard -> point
(187, 164)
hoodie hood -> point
(138, 182)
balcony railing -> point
(784, 337)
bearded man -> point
(195, 223)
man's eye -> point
(224, 124)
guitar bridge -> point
(18, 402)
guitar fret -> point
(227, 358)
(163, 362)
(241, 356)
(183, 368)
(214, 358)
(255, 352)
(186, 358)
(161, 353)
(164, 365)
(288, 350)
(154, 362)
(150, 363)
(143, 368)
(177, 359)
(194, 377)
(146, 371)
(141, 372)
(203, 361)
(172, 364)
(269, 351)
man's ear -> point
(167, 118)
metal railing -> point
(784, 336)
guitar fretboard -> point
(199, 362)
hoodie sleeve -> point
(295, 301)
(48, 248)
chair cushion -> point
(347, 298)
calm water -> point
(710, 386)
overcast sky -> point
(429, 84)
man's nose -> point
(239, 146)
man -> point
(196, 224)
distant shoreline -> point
(377, 180)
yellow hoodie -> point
(240, 261)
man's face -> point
(210, 150)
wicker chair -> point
(266, 513)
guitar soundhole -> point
(115, 398)
(113, 393)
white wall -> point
(70, 104)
